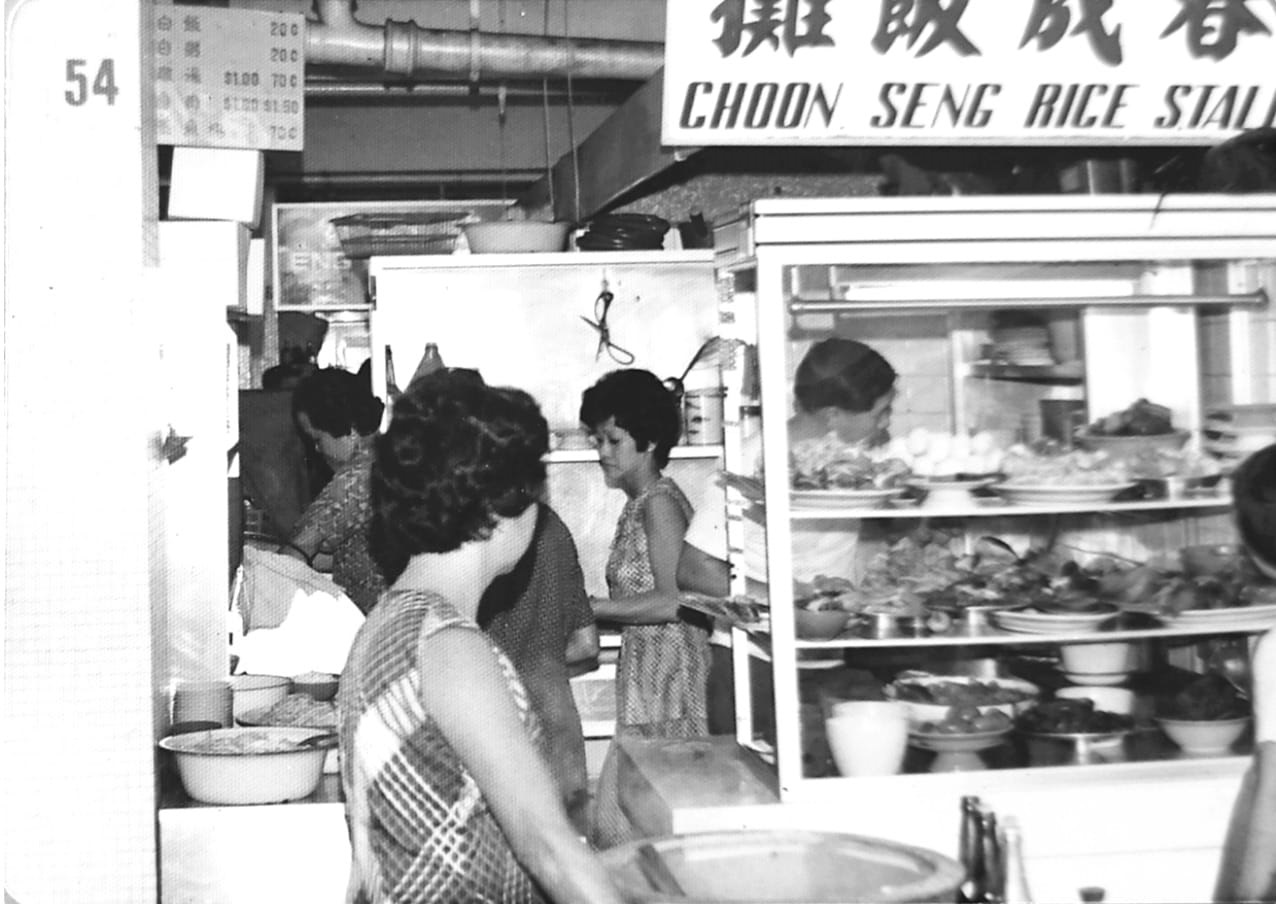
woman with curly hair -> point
(664, 659)
(447, 797)
(337, 411)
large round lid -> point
(770, 866)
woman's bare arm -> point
(477, 715)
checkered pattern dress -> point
(420, 830)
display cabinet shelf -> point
(921, 280)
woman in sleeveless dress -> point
(447, 797)
(664, 658)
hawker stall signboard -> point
(872, 72)
(228, 78)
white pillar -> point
(80, 206)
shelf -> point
(815, 304)
(995, 508)
(559, 259)
(561, 456)
(1068, 373)
(997, 637)
(325, 308)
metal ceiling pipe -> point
(407, 49)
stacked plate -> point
(1233, 432)
(624, 232)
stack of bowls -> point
(624, 232)
(1232, 432)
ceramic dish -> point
(940, 742)
(1032, 621)
(839, 499)
(1050, 494)
(950, 493)
(1225, 619)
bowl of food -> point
(320, 686)
(250, 692)
(1117, 700)
(250, 765)
(1204, 559)
(1073, 731)
(930, 698)
(516, 236)
(820, 624)
(1124, 446)
(1204, 737)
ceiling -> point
(526, 126)
(443, 131)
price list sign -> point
(228, 78)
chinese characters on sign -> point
(228, 78)
(990, 71)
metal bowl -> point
(248, 765)
(1076, 748)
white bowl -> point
(1204, 737)
(1097, 658)
(252, 692)
(516, 236)
(1117, 700)
(213, 772)
(868, 737)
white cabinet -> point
(1131, 277)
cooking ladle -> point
(326, 739)
(714, 345)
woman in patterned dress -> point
(447, 797)
(661, 674)
(337, 411)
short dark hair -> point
(337, 401)
(642, 405)
(842, 373)
(457, 455)
(1254, 502)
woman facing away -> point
(337, 411)
(1247, 871)
(447, 798)
(663, 664)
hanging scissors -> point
(602, 304)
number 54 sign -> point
(90, 80)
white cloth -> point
(288, 618)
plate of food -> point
(1059, 494)
(869, 498)
(1032, 620)
(932, 698)
(1225, 618)
(740, 611)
